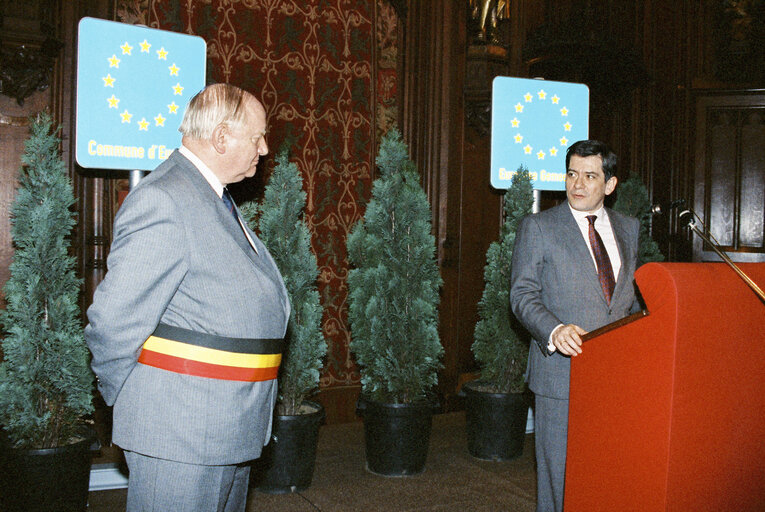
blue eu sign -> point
(133, 85)
(532, 124)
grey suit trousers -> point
(550, 440)
(158, 485)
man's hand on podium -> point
(566, 339)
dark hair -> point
(585, 148)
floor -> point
(453, 480)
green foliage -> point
(289, 241)
(393, 291)
(45, 378)
(633, 200)
(498, 348)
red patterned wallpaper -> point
(326, 72)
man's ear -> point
(219, 138)
(611, 184)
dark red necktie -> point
(605, 272)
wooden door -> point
(729, 180)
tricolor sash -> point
(216, 357)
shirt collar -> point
(210, 176)
(582, 216)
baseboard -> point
(530, 422)
(107, 476)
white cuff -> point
(550, 345)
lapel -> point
(222, 215)
(621, 236)
(570, 236)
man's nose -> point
(262, 147)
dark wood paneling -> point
(92, 235)
(730, 173)
(455, 170)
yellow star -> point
(518, 138)
(145, 46)
(126, 48)
(174, 69)
(177, 89)
(113, 101)
(126, 116)
(563, 141)
(143, 124)
(114, 62)
(555, 99)
(518, 107)
(527, 149)
(554, 151)
(162, 53)
(542, 94)
(515, 122)
(172, 108)
(159, 120)
(564, 111)
(567, 126)
(527, 97)
(541, 155)
(108, 81)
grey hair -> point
(215, 104)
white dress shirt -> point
(214, 182)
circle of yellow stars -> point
(109, 81)
(516, 123)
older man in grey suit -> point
(572, 272)
(186, 328)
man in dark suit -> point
(187, 326)
(572, 272)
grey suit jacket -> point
(180, 258)
(554, 281)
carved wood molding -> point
(484, 63)
(24, 70)
(400, 7)
(14, 120)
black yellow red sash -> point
(206, 355)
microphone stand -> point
(687, 217)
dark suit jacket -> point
(554, 281)
(180, 258)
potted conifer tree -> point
(45, 378)
(632, 199)
(287, 462)
(393, 312)
(496, 405)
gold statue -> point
(485, 14)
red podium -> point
(667, 413)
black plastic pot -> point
(396, 436)
(288, 460)
(495, 423)
(48, 480)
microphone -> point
(685, 218)
(659, 208)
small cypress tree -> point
(498, 347)
(280, 224)
(45, 379)
(633, 200)
(393, 291)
